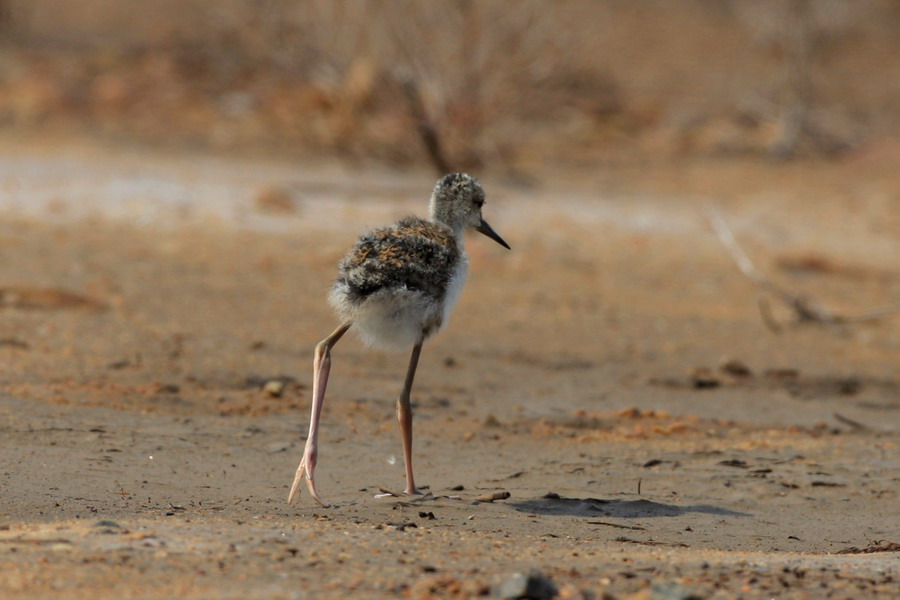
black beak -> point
(488, 231)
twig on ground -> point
(608, 524)
(852, 423)
(806, 309)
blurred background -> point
(493, 85)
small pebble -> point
(493, 496)
(703, 378)
(274, 388)
(735, 368)
(106, 523)
(491, 421)
(276, 447)
(665, 591)
(530, 586)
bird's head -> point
(457, 201)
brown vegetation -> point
(501, 86)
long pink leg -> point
(321, 369)
(404, 415)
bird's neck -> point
(441, 212)
(457, 228)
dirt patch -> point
(561, 424)
(46, 299)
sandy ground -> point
(145, 300)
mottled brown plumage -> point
(415, 253)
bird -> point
(396, 288)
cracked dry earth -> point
(611, 373)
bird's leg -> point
(321, 368)
(404, 415)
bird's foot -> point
(412, 490)
(305, 470)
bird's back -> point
(394, 281)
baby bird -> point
(397, 287)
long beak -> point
(489, 231)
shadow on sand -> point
(554, 504)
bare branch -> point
(426, 128)
(852, 423)
(728, 240)
(806, 309)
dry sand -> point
(147, 299)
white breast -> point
(454, 288)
